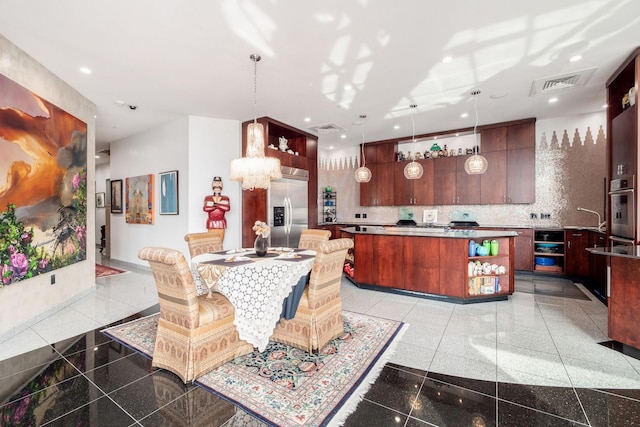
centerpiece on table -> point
(262, 231)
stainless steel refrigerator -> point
(288, 210)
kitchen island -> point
(623, 304)
(431, 262)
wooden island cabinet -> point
(431, 264)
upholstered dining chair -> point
(202, 243)
(195, 333)
(311, 238)
(318, 319)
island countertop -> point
(429, 232)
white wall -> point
(161, 149)
(74, 279)
(213, 143)
(199, 148)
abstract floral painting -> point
(43, 185)
(139, 200)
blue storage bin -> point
(540, 260)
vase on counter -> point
(260, 245)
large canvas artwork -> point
(43, 185)
(139, 200)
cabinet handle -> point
(569, 244)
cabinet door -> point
(453, 271)
(521, 175)
(623, 140)
(467, 186)
(402, 187)
(422, 264)
(576, 258)
(493, 139)
(384, 184)
(523, 250)
(423, 188)
(368, 189)
(598, 265)
(363, 258)
(388, 261)
(493, 183)
(444, 181)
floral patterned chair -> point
(311, 239)
(318, 319)
(195, 333)
(202, 243)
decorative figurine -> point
(216, 206)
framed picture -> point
(169, 193)
(116, 196)
(139, 200)
(99, 200)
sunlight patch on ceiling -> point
(496, 58)
(251, 24)
(501, 30)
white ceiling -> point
(173, 58)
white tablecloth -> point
(256, 289)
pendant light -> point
(363, 174)
(255, 170)
(413, 170)
(476, 164)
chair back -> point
(312, 239)
(174, 282)
(326, 274)
(202, 243)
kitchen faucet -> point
(600, 223)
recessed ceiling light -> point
(347, 87)
(447, 59)
(396, 127)
(85, 70)
(605, 106)
(331, 147)
(553, 100)
(343, 136)
(463, 115)
(307, 119)
(575, 58)
(96, 156)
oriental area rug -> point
(104, 271)
(284, 386)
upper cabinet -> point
(510, 178)
(379, 158)
(622, 118)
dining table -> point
(261, 289)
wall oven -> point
(623, 209)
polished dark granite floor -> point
(93, 381)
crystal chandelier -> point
(476, 164)
(255, 170)
(363, 174)
(413, 170)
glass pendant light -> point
(255, 170)
(476, 164)
(413, 170)
(363, 174)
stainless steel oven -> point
(623, 210)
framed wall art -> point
(169, 193)
(139, 200)
(99, 200)
(116, 196)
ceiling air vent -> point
(326, 129)
(561, 82)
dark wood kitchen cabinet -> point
(421, 265)
(598, 266)
(576, 257)
(379, 158)
(413, 191)
(521, 154)
(467, 186)
(444, 178)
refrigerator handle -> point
(290, 215)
